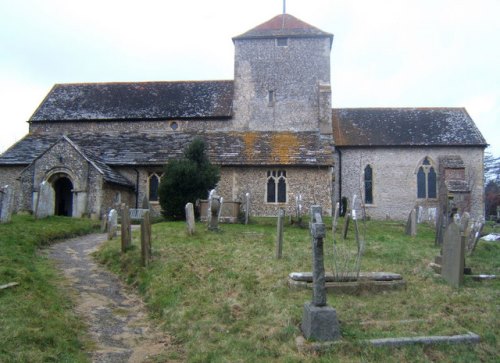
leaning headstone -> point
(190, 218)
(146, 239)
(126, 235)
(247, 207)
(319, 321)
(411, 224)
(279, 234)
(45, 201)
(112, 223)
(6, 203)
(472, 238)
(452, 268)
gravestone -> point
(146, 239)
(247, 207)
(298, 209)
(45, 201)
(411, 224)
(464, 222)
(190, 218)
(319, 321)
(6, 204)
(472, 238)
(126, 233)
(279, 234)
(420, 214)
(452, 268)
(431, 215)
(112, 223)
(335, 218)
(215, 203)
(145, 203)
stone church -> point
(271, 129)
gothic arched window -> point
(154, 180)
(426, 180)
(276, 186)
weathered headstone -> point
(319, 321)
(431, 215)
(464, 222)
(190, 223)
(45, 201)
(247, 207)
(126, 232)
(279, 234)
(472, 238)
(146, 239)
(112, 223)
(145, 202)
(335, 218)
(420, 214)
(298, 209)
(411, 224)
(214, 209)
(6, 203)
(452, 268)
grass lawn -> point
(225, 298)
(37, 323)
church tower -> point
(282, 77)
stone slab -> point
(353, 287)
(319, 323)
(469, 338)
(329, 277)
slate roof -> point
(284, 25)
(405, 127)
(136, 101)
(224, 148)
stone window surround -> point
(158, 175)
(427, 165)
(276, 175)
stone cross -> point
(126, 235)
(146, 239)
(45, 201)
(247, 207)
(6, 203)
(112, 223)
(279, 234)
(453, 258)
(190, 218)
(319, 321)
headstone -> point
(472, 238)
(146, 239)
(431, 215)
(420, 214)
(411, 224)
(345, 228)
(247, 207)
(145, 202)
(214, 209)
(190, 218)
(319, 321)
(452, 268)
(335, 218)
(6, 203)
(126, 235)
(464, 222)
(45, 201)
(298, 209)
(279, 234)
(112, 223)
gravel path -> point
(116, 317)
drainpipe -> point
(136, 188)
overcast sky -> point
(402, 53)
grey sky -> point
(385, 53)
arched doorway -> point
(63, 197)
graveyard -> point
(224, 295)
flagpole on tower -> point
(284, 7)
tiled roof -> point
(224, 148)
(405, 127)
(284, 25)
(136, 101)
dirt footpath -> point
(116, 317)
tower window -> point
(271, 97)
(282, 42)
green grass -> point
(224, 297)
(36, 319)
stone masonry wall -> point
(8, 176)
(314, 184)
(294, 73)
(395, 177)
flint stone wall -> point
(395, 177)
(9, 176)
